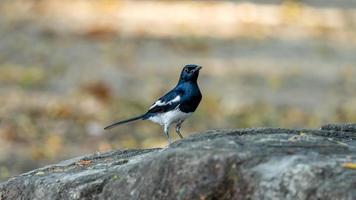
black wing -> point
(168, 102)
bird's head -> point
(190, 73)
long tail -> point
(124, 121)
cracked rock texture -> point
(257, 163)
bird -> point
(175, 106)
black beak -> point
(197, 68)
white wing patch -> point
(160, 103)
(176, 99)
(157, 103)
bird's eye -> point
(186, 70)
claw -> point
(178, 126)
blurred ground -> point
(68, 68)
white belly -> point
(170, 117)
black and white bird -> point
(175, 106)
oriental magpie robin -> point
(175, 106)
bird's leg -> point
(178, 126)
(166, 132)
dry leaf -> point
(84, 162)
(349, 165)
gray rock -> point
(258, 163)
(340, 127)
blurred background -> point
(68, 68)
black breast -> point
(191, 99)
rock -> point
(257, 163)
(340, 127)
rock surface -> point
(258, 163)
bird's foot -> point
(178, 130)
(170, 141)
(180, 135)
